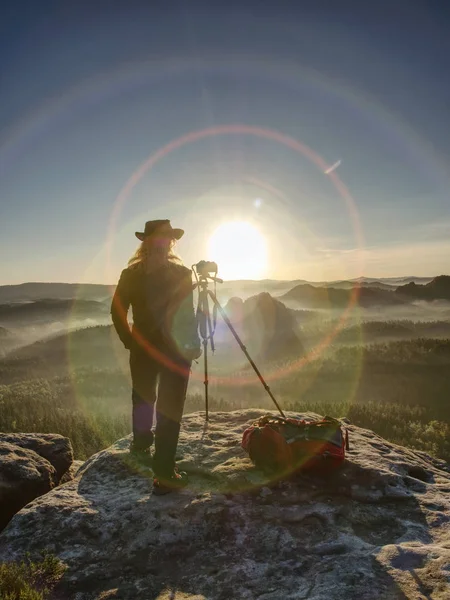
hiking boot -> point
(165, 485)
(142, 456)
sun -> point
(239, 249)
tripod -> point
(207, 328)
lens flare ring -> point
(283, 139)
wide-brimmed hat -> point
(162, 228)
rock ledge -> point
(377, 529)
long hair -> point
(152, 253)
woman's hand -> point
(192, 353)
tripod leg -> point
(206, 381)
(202, 307)
(204, 333)
(244, 349)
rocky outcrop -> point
(378, 528)
(55, 448)
(31, 464)
(24, 475)
(309, 296)
(267, 326)
(437, 289)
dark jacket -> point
(162, 305)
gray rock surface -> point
(57, 449)
(31, 464)
(24, 475)
(378, 529)
(72, 472)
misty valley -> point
(377, 352)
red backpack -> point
(289, 445)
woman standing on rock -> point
(162, 342)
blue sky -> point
(88, 94)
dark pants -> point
(161, 384)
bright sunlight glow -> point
(239, 249)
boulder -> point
(31, 464)
(24, 475)
(55, 448)
(377, 528)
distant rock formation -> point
(309, 296)
(437, 289)
(31, 464)
(378, 528)
(266, 324)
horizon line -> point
(266, 279)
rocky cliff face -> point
(377, 529)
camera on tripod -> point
(206, 268)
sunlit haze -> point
(240, 250)
(324, 127)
